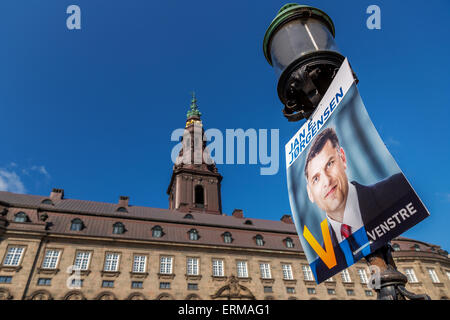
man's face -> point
(327, 181)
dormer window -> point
(188, 216)
(157, 232)
(396, 247)
(76, 225)
(249, 222)
(21, 217)
(416, 247)
(48, 202)
(259, 240)
(227, 237)
(289, 243)
(118, 228)
(122, 209)
(193, 234)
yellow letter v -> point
(326, 255)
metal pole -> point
(392, 282)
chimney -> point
(287, 219)
(57, 194)
(123, 201)
(238, 213)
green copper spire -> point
(194, 108)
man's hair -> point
(318, 143)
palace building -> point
(53, 247)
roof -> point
(98, 218)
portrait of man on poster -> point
(348, 205)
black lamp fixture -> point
(300, 46)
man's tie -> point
(346, 232)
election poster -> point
(347, 194)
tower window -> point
(199, 197)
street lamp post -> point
(300, 46)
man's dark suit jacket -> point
(373, 200)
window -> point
(20, 217)
(242, 270)
(249, 222)
(118, 228)
(363, 276)
(47, 201)
(5, 279)
(122, 209)
(259, 240)
(139, 263)
(287, 272)
(164, 285)
(416, 247)
(192, 267)
(218, 270)
(289, 243)
(44, 281)
(311, 290)
(165, 265)
(268, 289)
(307, 273)
(350, 292)
(227, 237)
(76, 225)
(396, 247)
(346, 276)
(13, 256)
(188, 216)
(330, 279)
(331, 291)
(192, 286)
(77, 282)
(157, 232)
(290, 290)
(199, 196)
(265, 270)
(193, 234)
(410, 274)
(137, 284)
(369, 293)
(433, 275)
(82, 260)
(51, 259)
(108, 284)
(111, 262)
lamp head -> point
(300, 46)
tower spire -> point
(193, 111)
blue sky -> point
(91, 111)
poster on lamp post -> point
(347, 194)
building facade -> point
(57, 248)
